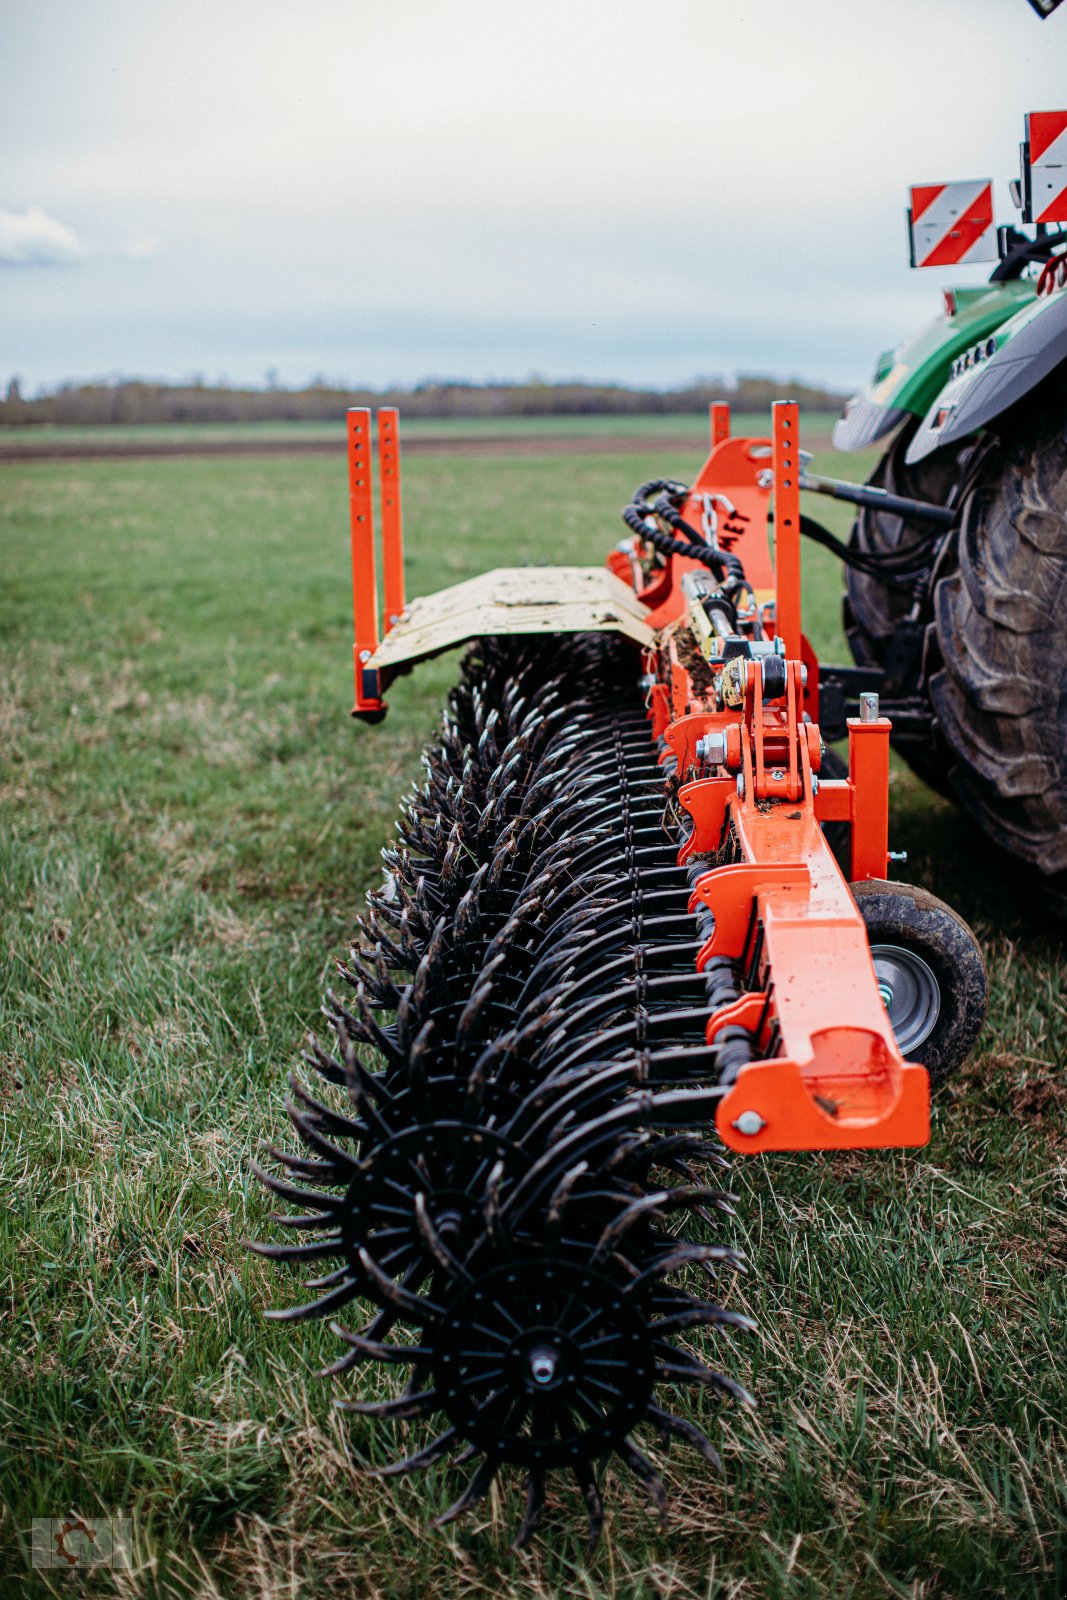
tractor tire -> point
(930, 970)
(992, 659)
(873, 613)
(880, 624)
(998, 675)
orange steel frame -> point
(831, 1077)
(368, 699)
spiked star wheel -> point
(498, 1188)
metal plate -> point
(514, 600)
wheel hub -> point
(910, 993)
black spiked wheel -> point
(563, 1355)
(491, 1190)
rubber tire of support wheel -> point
(902, 917)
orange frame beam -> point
(392, 515)
(785, 441)
(364, 568)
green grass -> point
(189, 825)
(688, 426)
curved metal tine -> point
(342, 1162)
(403, 1409)
(422, 1458)
(657, 959)
(628, 803)
(352, 1286)
(700, 1314)
(434, 1243)
(647, 994)
(635, 844)
(594, 1506)
(615, 897)
(571, 1093)
(674, 1028)
(668, 1425)
(686, 1255)
(646, 1473)
(476, 1490)
(654, 921)
(375, 1350)
(681, 1370)
(690, 1197)
(321, 1249)
(535, 1505)
(417, 1308)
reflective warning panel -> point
(1045, 167)
(952, 223)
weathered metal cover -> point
(514, 600)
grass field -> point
(276, 435)
(190, 822)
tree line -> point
(134, 401)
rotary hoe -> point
(636, 916)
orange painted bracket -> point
(705, 800)
(392, 515)
(368, 701)
(747, 1011)
(891, 1108)
(682, 734)
(729, 893)
(868, 771)
(719, 418)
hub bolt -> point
(749, 1123)
(544, 1362)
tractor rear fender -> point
(907, 379)
(1027, 349)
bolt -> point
(886, 992)
(647, 681)
(777, 774)
(749, 1123)
(868, 708)
(897, 855)
(543, 1364)
(712, 749)
(364, 655)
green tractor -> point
(957, 565)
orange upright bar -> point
(392, 515)
(720, 422)
(786, 461)
(361, 515)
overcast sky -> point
(641, 190)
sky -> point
(641, 191)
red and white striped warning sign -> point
(1046, 135)
(951, 223)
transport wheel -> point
(930, 972)
(998, 675)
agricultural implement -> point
(636, 914)
(952, 609)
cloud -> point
(34, 239)
(140, 247)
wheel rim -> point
(910, 993)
